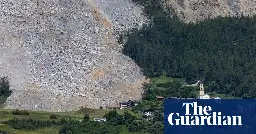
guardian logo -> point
(202, 116)
(208, 116)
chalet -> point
(128, 104)
(123, 105)
(100, 119)
(159, 98)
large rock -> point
(197, 10)
(61, 55)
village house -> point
(100, 119)
(159, 98)
(128, 104)
(123, 105)
(148, 114)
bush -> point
(30, 124)
(53, 116)
(20, 112)
(2, 132)
(86, 118)
(5, 87)
(76, 127)
(113, 118)
(5, 91)
(164, 85)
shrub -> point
(5, 91)
(86, 118)
(20, 112)
(2, 132)
(53, 116)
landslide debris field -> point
(60, 55)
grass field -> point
(164, 79)
(44, 130)
(6, 115)
(35, 115)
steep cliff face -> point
(197, 10)
(61, 55)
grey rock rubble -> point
(61, 55)
(198, 10)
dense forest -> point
(221, 51)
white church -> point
(202, 95)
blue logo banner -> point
(210, 116)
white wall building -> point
(202, 94)
(206, 96)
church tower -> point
(201, 91)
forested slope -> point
(220, 51)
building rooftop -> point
(159, 97)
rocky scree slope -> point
(61, 55)
(197, 10)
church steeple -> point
(201, 91)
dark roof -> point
(159, 97)
(133, 101)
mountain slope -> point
(197, 10)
